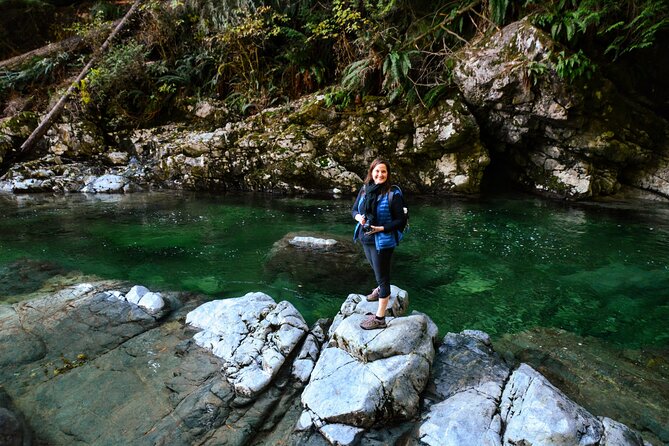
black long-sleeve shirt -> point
(396, 211)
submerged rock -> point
(252, 334)
(317, 261)
(589, 371)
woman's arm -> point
(354, 210)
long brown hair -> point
(369, 179)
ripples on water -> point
(500, 265)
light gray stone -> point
(386, 388)
(304, 422)
(617, 434)
(341, 434)
(105, 184)
(153, 302)
(466, 418)
(313, 242)
(136, 293)
(252, 334)
(536, 412)
(403, 336)
(333, 402)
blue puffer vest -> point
(382, 240)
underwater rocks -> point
(476, 399)
(317, 261)
(628, 385)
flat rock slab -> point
(252, 334)
(45, 333)
(403, 336)
(357, 304)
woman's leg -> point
(383, 279)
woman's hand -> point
(375, 229)
(360, 219)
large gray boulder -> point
(536, 412)
(368, 378)
(572, 138)
(464, 392)
(338, 259)
(252, 334)
(474, 399)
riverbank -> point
(144, 375)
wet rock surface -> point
(630, 386)
(86, 363)
(339, 258)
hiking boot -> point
(373, 323)
(374, 296)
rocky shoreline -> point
(101, 362)
(505, 125)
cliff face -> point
(573, 139)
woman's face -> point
(380, 174)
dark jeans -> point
(380, 261)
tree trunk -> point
(68, 45)
(55, 111)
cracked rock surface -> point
(475, 399)
(81, 366)
(388, 370)
(252, 334)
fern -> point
(355, 74)
(434, 95)
(498, 10)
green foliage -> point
(40, 70)
(574, 67)
(337, 97)
(434, 95)
(498, 10)
(346, 18)
(119, 88)
(621, 27)
(535, 71)
(396, 68)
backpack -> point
(404, 227)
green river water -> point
(499, 264)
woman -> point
(378, 220)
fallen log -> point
(69, 45)
(55, 111)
